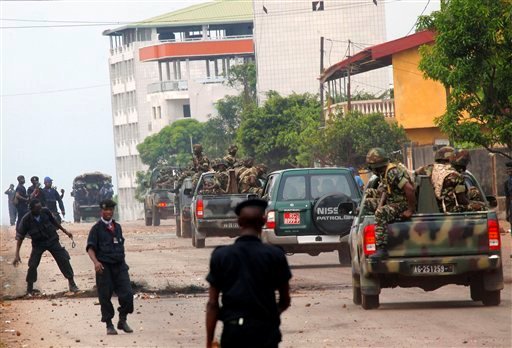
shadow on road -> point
(323, 265)
(429, 305)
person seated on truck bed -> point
(441, 156)
(396, 197)
(460, 162)
(260, 171)
(449, 186)
(230, 158)
(218, 184)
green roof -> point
(213, 12)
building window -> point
(159, 111)
(154, 113)
(186, 111)
(318, 5)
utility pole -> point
(349, 106)
(322, 113)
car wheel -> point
(200, 243)
(178, 226)
(344, 255)
(186, 229)
(476, 289)
(156, 217)
(356, 289)
(193, 237)
(491, 298)
(369, 301)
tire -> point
(491, 298)
(193, 238)
(186, 229)
(148, 220)
(200, 243)
(476, 289)
(344, 255)
(178, 226)
(156, 217)
(369, 301)
(356, 289)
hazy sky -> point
(63, 134)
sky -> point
(46, 131)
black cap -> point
(107, 204)
(34, 178)
(509, 164)
(254, 202)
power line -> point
(422, 12)
(55, 91)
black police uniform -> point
(22, 206)
(50, 199)
(247, 274)
(108, 244)
(43, 233)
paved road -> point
(171, 301)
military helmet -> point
(444, 154)
(232, 148)
(248, 162)
(262, 168)
(377, 157)
(461, 158)
(198, 147)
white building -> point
(172, 66)
(168, 68)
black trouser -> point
(251, 333)
(58, 252)
(115, 278)
(22, 210)
(12, 213)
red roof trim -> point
(381, 52)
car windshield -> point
(302, 187)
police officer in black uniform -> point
(105, 247)
(41, 227)
(247, 274)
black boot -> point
(72, 285)
(30, 289)
(123, 325)
(381, 254)
(110, 328)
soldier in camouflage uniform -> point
(255, 186)
(200, 162)
(441, 156)
(219, 185)
(460, 162)
(230, 158)
(394, 198)
(247, 163)
(449, 187)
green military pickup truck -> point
(304, 215)
(430, 250)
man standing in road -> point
(21, 199)
(10, 192)
(41, 227)
(34, 191)
(397, 197)
(105, 247)
(247, 274)
(51, 198)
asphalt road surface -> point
(171, 296)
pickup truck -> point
(214, 215)
(182, 203)
(159, 199)
(310, 209)
(430, 250)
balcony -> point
(384, 106)
(168, 86)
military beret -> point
(509, 164)
(254, 202)
(107, 204)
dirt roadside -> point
(170, 303)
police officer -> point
(396, 197)
(34, 191)
(41, 227)
(105, 246)
(51, 198)
(247, 274)
(10, 202)
(21, 199)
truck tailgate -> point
(222, 206)
(439, 235)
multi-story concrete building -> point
(172, 66)
(169, 68)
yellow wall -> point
(424, 136)
(418, 101)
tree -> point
(283, 131)
(244, 75)
(471, 57)
(347, 139)
(172, 145)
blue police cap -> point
(254, 202)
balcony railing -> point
(165, 86)
(384, 106)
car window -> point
(269, 186)
(324, 184)
(293, 188)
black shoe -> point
(72, 286)
(123, 325)
(31, 290)
(111, 330)
(381, 254)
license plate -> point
(230, 225)
(292, 218)
(421, 269)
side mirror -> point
(493, 202)
(347, 208)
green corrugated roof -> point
(214, 12)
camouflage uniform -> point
(259, 170)
(392, 181)
(247, 163)
(447, 184)
(443, 155)
(248, 181)
(460, 162)
(230, 158)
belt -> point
(237, 321)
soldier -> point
(442, 156)
(10, 202)
(230, 158)
(219, 183)
(201, 163)
(247, 163)
(252, 183)
(106, 191)
(449, 186)
(396, 197)
(460, 162)
(51, 198)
